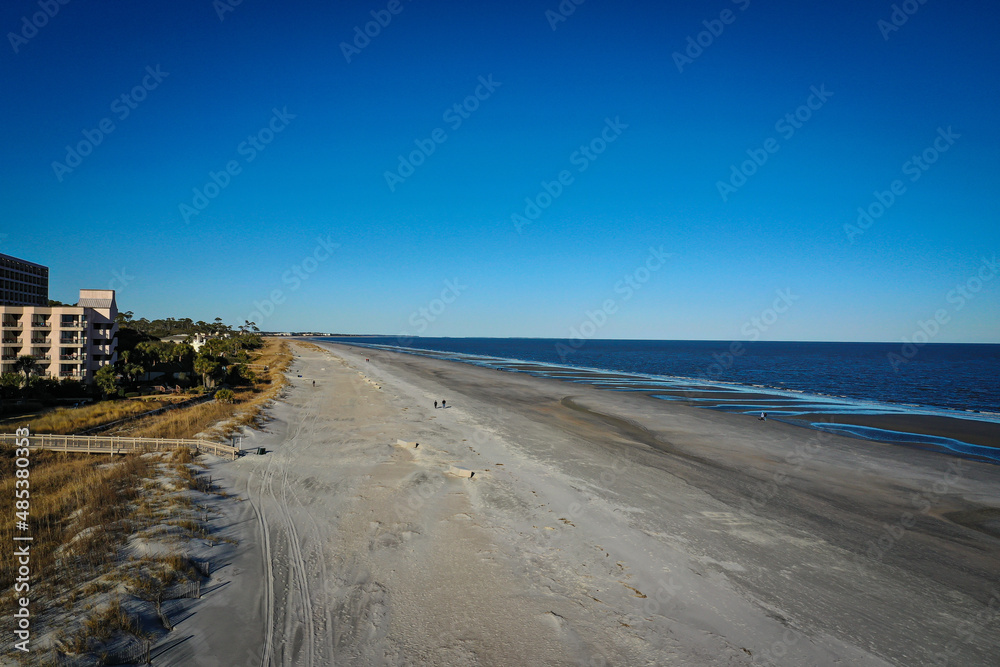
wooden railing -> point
(96, 444)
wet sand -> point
(972, 431)
(600, 528)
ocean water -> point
(959, 376)
(799, 378)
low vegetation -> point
(241, 406)
(245, 409)
(74, 420)
(85, 581)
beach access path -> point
(600, 528)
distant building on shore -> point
(195, 340)
(67, 342)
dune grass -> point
(84, 509)
(81, 509)
(66, 421)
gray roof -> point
(95, 303)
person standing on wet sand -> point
(443, 403)
(435, 405)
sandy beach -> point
(599, 528)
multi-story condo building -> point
(67, 342)
(23, 283)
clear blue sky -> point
(116, 218)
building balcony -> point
(12, 326)
(42, 357)
(73, 357)
(73, 325)
(10, 341)
(70, 374)
(39, 341)
(41, 325)
(9, 357)
(71, 341)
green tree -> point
(183, 352)
(154, 352)
(207, 366)
(132, 371)
(25, 364)
(106, 379)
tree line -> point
(223, 358)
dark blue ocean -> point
(962, 377)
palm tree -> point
(206, 365)
(25, 364)
(132, 371)
(182, 350)
(106, 380)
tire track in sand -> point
(298, 568)
(265, 657)
(258, 506)
(296, 564)
(326, 614)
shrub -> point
(225, 396)
(132, 394)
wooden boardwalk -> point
(95, 444)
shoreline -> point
(882, 421)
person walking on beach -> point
(314, 383)
(435, 405)
(763, 417)
(443, 403)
